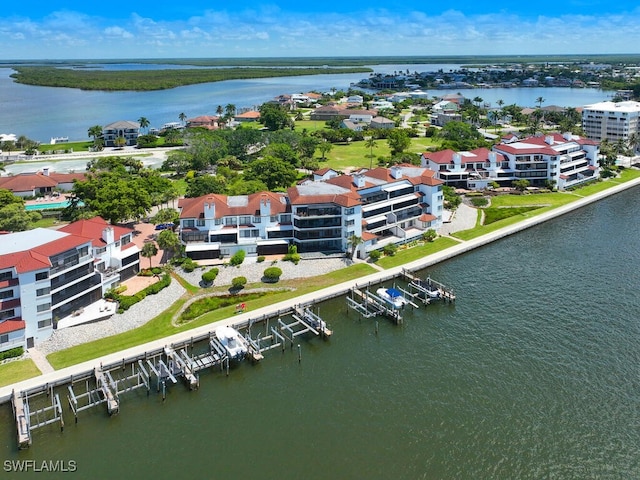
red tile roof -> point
(30, 182)
(92, 229)
(194, 207)
(13, 325)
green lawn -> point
(17, 371)
(161, 326)
(76, 146)
(409, 255)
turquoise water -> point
(47, 206)
(532, 373)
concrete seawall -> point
(60, 376)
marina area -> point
(508, 379)
(511, 380)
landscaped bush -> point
(272, 274)
(479, 202)
(390, 250)
(292, 255)
(11, 353)
(260, 259)
(126, 301)
(238, 282)
(237, 258)
(189, 265)
(430, 235)
(375, 255)
(210, 276)
(156, 270)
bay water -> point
(532, 373)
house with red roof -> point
(382, 206)
(41, 183)
(47, 275)
(564, 160)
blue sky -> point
(69, 29)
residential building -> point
(122, 128)
(613, 121)
(47, 275)
(381, 205)
(250, 116)
(41, 183)
(566, 160)
(332, 112)
(209, 122)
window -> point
(189, 223)
(43, 291)
(4, 338)
(83, 252)
(100, 250)
(44, 323)
(257, 219)
(126, 239)
(274, 219)
(6, 276)
(200, 222)
(349, 211)
(6, 294)
(43, 307)
(42, 275)
(218, 221)
(7, 314)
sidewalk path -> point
(425, 262)
(40, 360)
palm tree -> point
(230, 110)
(539, 101)
(371, 144)
(353, 241)
(120, 142)
(144, 123)
(95, 132)
(477, 101)
(149, 250)
(182, 117)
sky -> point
(72, 29)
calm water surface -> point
(533, 373)
(44, 112)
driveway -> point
(463, 218)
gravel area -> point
(153, 305)
(253, 270)
(137, 315)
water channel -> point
(532, 373)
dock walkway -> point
(326, 293)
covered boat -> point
(392, 296)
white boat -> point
(392, 296)
(232, 341)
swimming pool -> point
(49, 206)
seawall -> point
(62, 375)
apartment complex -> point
(565, 160)
(381, 206)
(611, 120)
(47, 275)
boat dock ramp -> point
(106, 384)
(380, 303)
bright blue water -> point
(44, 112)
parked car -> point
(164, 226)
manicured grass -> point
(415, 253)
(356, 154)
(76, 146)
(492, 215)
(161, 326)
(17, 371)
(553, 199)
(46, 222)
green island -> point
(146, 80)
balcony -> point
(318, 212)
(71, 276)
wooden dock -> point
(428, 288)
(370, 305)
(21, 414)
(109, 390)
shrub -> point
(390, 250)
(189, 265)
(210, 276)
(272, 274)
(238, 282)
(126, 301)
(260, 259)
(156, 270)
(479, 201)
(11, 353)
(430, 235)
(292, 257)
(375, 255)
(237, 258)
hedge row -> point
(11, 353)
(126, 301)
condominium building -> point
(564, 160)
(381, 206)
(47, 275)
(611, 120)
